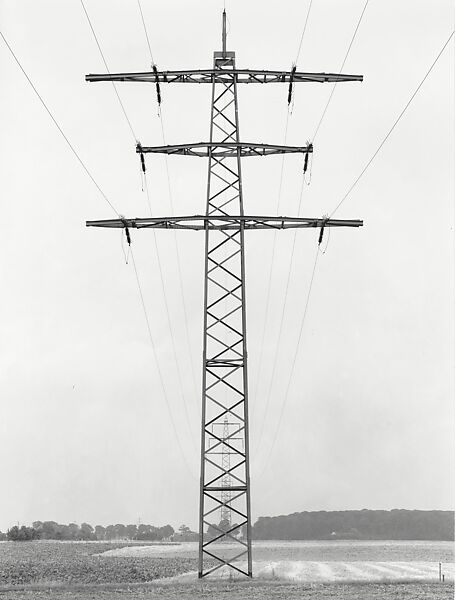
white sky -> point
(84, 430)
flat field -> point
(239, 591)
(102, 571)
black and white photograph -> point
(227, 308)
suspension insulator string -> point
(311, 169)
(291, 79)
(128, 239)
(157, 84)
(127, 231)
(321, 233)
(306, 159)
(141, 155)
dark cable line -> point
(280, 331)
(154, 233)
(155, 355)
(169, 320)
(317, 254)
(393, 127)
(149, 205)
(171, 203)
(294, 362)
(272, 261)
(107, 69)
(58, 126)
(179, 264)
(341, 68)
(130, 248)
(145, 31)
(289, 112)
(303, 32)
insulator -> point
(141, 154)
(305, 164)
(127, 231)
(157, 83)
(291, 79)
(128, 238)
(307, 157)
(321, 233)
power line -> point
(294, 362)
(393, 126)
(179, 265)
(171, 331)
(294, 240)
(280, 331)
(107, 69)
(171, 203)
(58, 126)
(341, 68)
(303, 32)
(145, 31)
(155, 355)
(336, 208)
(116, 212)
(272, 261)
(155, 240)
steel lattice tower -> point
(225, 484)
(224, 513)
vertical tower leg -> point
(224, 518)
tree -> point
(49, 530)
(24, 534)
(86, 532)
(38, 527)
(110, 532)
(100, 532)
(166, 531)
(120, 531)
(70, 532)
(131, 532)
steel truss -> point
(217, 76)
(201, 222)
(224, 149)
(225, 514)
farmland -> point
(25, 563)
(83, 571)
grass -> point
(251, 590)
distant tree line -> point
(50, 530)
(358, 524)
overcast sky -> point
(85, 434)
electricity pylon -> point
(225, 465)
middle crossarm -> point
(224, 149)
(201, 222)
